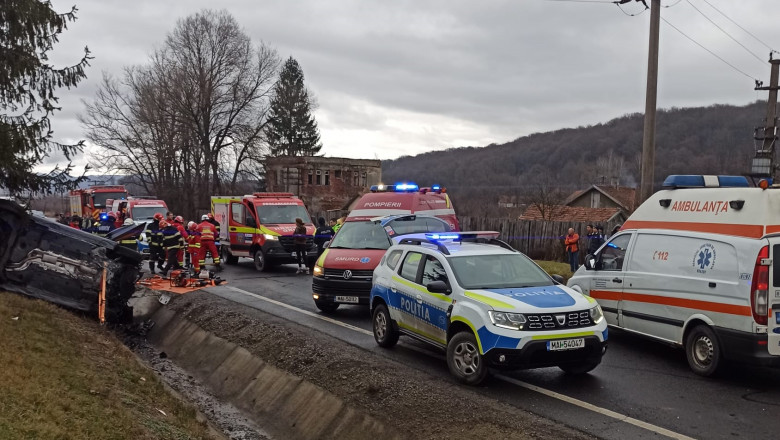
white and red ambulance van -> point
(694, 266)
(343, 273)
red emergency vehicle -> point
(261, 226)
(89, 203)
(139, 209)
(344, 271)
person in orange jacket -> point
(572, 249)
(193, 245)
(208, 238)
(178, 222)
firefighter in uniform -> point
(130, 242)
(193, 246)
(156, 253)
(214, 222)
(173, 242)
(178, 222)
(208, 238)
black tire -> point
(703, 351)
(582, 368)
(326, 307)
(261, 264)
(464, 359)
(385, 333)
(226, 256)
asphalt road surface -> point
(642, 389)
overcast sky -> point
(403, 77)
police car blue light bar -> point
(703, 181)
(435, 187)
(400, 187)
(442, 236)
(104, 216)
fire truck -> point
(89, 203)
(261, 226)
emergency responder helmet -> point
(163, 224)
(191, 224)
(179, 219)
(128, 221)
(204, 217)
(158, 216)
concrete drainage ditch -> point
(285, 405)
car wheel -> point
(326, 307)
(260, 263)
(464, 359)
(385, 333)
(703, 351)
(582, 368)
(226, 256)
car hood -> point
(531, 299)
(355, 259)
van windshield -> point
(100, 198)
(361, 235)
(500, 271)
(282, 214)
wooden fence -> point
(540, 240)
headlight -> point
(514, 321)
(595, 314)
(270, 237)
(317, 272)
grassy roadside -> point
(65, 377)
(556, 268)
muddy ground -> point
(419, 405)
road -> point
(642, 389)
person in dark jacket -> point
(595, 239)
(156, 253)
(323, 235)
(173, 242)
(299, 240)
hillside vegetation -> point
(703, 140)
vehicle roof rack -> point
(418, 241)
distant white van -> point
(693, 266)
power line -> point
(582, 1)
(737, 24)
(711, 52)
(724, 31)
(672, 5)
(630, 15)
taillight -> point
(759, 288)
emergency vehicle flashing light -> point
(442, 236)
(400, 187)
(104, 216)
(702, 181)
(407, 187)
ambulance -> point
(694, 267)
(260, 226)
(343, 272)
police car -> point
(487, 304)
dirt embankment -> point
(419, 405)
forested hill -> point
(704, 140)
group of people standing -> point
(172, 246)
(595, 238)
(323, 234)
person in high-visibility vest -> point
(208, 237)
(129, 242)
(173, 242)
(156, 252)
(193, 245)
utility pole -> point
(648, 139)
(764, 160)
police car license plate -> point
(347, 299)
(565, 344)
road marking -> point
(597, 409)
(540, 390)
(305, 312)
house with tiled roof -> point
(597, 196)
(574, 214)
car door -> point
(404, 287)
(773, 319)
(608, 282)
(433, 320)
(240, 235)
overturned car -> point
(63, 265)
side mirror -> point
(590, 262)
(557, 278)
(438, 287)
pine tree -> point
(28, 31)
(291, 128)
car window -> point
(498, 271)
(433, 271)
(410, 266)
(613, 254)
(393, 258)
(237, 212)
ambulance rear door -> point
(773, 319)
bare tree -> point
(545, 193)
